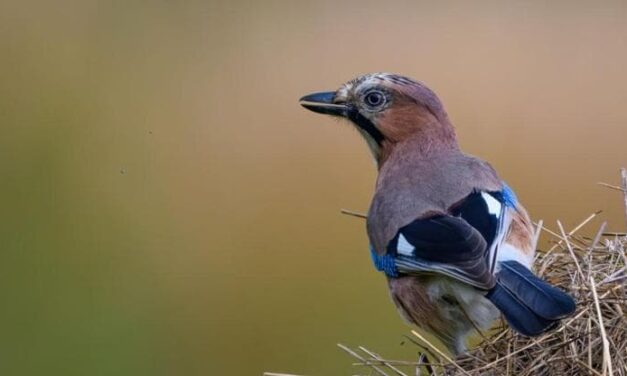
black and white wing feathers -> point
(460, 244)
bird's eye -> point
(374, 99)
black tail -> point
(530, 305)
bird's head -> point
(388, 110)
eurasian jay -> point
(451, 237)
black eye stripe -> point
(365, 124)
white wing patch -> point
(404, 247)
(494, 206)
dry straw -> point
(593, 341)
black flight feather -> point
(545, 300)
(518, 315)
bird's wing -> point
(460, 244)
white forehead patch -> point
(364, 81)
(371, 80)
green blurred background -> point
(167, 208)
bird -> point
(451, 237)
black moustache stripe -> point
(362, 122)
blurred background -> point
(166, 206)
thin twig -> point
(570, 249)
(577, 228)
(353, 213)
(355, 355)
(612, 186)
(615, 234)
(377, 357)
(549, 231)
(607, 360)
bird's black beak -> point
(323, 103)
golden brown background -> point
(167, 208)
